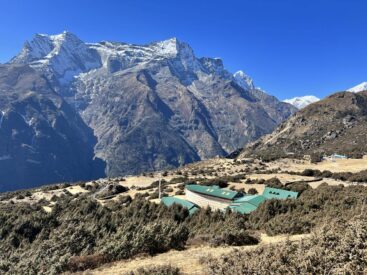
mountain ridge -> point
(155, 106)
(336, 124)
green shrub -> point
(20, 197)
(312, 208)
(154, 195)
(165, 174)
(252, 191)
(80, 263)
(234, 237)
(156, 270)
(337, 248)
(177, 180)
(46, 243)
(311, 173)
(180, 192)
(298, 187)
(151, 238)
(274, 183)
(359, 177)
(344, 176)
(168, 189)
(112, 190)
(222, 183)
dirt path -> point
(188, 260)
(339, 165)
(278, 134)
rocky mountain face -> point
(336, 124)
(276, 109)
(302, 101)
(153, 106)
(43, 139)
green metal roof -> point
(244, 208)
(253, 199)
(245, 198)
(214, 191)
(249, 203)
(275, 193)
(168, 201)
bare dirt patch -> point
(340, 165)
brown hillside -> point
(337, 124)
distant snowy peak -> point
(359, 88)
(66, 57)
(37, 48)
(172, 47)
(46, 46)
(118, 56)
(303, 101)
(63, 55)
(244, 80)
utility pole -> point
(159, 188)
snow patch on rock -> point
(244, 80)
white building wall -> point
(205, 201)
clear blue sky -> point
(289, 47)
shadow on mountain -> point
(43, 140)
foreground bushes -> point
(234, 238)
(156, 270)
(77, 263)
(151, 238)
(339, 248)
(81, 233)
(311, 209)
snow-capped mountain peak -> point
(359, 88)
(244, 80)
(170, 47)
(63, 55)
(43, 46)
(190, 104)
(37, 48)
(66, 39)
(303, 101)
(174, 48)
